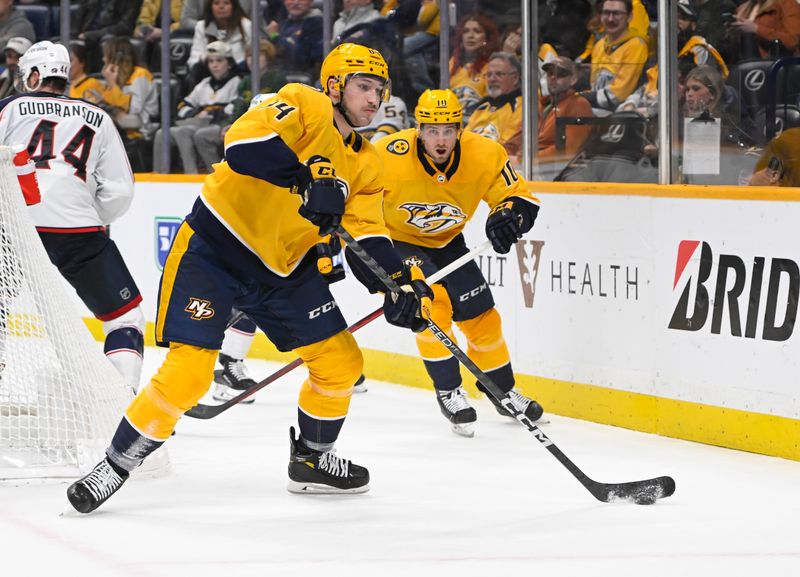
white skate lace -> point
(238, 370)
(333, 464)
(455, 400)
(102, 481)
(521, 402)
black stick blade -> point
(639, 492)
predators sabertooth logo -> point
(431, 218)
(200, 309)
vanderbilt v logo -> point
(529, 253)
(200, 309)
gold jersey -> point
(263, 216)
(428, 205)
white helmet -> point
(50, 60)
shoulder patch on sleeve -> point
(398, 146)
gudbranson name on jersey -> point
(65, 110)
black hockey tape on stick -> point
(201, 411)
(644, 492)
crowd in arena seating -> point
(597, 98)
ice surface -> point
(440, 504)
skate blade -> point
(301, 488)
(359, 389)
(463, 429)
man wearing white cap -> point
(14, 48)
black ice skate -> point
(361, 385)
(320, 473)
(232, 380)
(457, 410)
(523, 404)
(88, 493)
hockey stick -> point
(201, 411)
(641, 492)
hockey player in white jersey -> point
(391, 117)
(86, 183)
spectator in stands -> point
(193, 11)
(354, 12)
(423, 36)
(477, 39)
(709, 21)
(566, 26)
(208, 139)
(779, 164)
(706, 98)
(563, 101)
(498, 116)
(768, 21)
(638, 25)
(14, 24)
(210, 102)
(128, 89)
(97, 19)
(617, 59)
(82, 85)
(14, 48)
(148, 25)
(223, 20)
(300, 37)
(694, 51)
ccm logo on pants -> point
(473, 293)
(326, 308)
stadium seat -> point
(174, 93)
(179, 50)
(39, 16)
(786, 116)
(750, 81)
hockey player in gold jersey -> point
(436, 176)
(250, 243)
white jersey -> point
(392, 117)
(83, 171)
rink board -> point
(663, 309)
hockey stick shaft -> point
(638, 491)
(201, 411)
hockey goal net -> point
(60, 398)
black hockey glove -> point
(409, 308)
(504, 227)
(323, 194)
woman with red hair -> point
(477, 38)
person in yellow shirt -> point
(82, 85)
(477, 38)
(499, 115)
(250, 243)
(436, 177)
(617, 59)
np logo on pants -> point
(199, 308)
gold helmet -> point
(347, 60)
(438, 107)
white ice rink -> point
(439, 504)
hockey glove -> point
(323, 194)
(331, 271)
(409, 308)
(504, 227)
